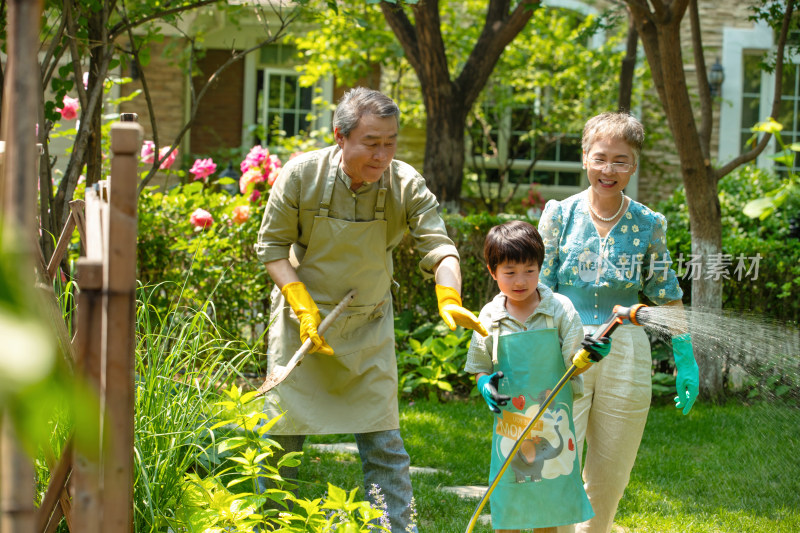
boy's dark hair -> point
(516, 241)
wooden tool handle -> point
(326, 322)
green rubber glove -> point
(598, 349)
(307, 313)
(487, 385)
(687, 382)
(453, 313)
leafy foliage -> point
(430, 361)
(789, 189)
(778, 276)
(217, 264)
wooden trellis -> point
(92, 489)
(102, 491)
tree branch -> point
(499, 29)
(776, 101)
(236, 56)
(123, 25)
(55, 40)
(706, 104)
(66, 187)
(404, 30)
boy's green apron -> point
(355, 390)
(542, 486)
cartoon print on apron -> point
(542, 486)
(355, 390)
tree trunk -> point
(628, 67)
(444, 137)
(94, 157)
(662, 46)
(448, 100)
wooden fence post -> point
(87, 482)
(120, 325)
(17, 198)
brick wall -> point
(660, 172)
(219, 118)
(167, 90)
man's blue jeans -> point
(385, 464)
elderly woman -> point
(602, 249)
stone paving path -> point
(466, 491)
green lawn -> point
(722, 469)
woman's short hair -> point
(361, 101)
(614, 125)
(516, 241)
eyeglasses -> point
(599, 164)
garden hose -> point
(580, 360)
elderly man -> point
(332, 220)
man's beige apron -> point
(355, 390)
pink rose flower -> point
(148, 152)
(70, 109)
(203, 168)
(254, 196)
(250, 178)
(240, 214)
(85, 80)
(169, 160)
(274, 168)
(254, 158)
(201, 219)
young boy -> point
(533, 335)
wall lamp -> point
(715, 78)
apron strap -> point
(380, 204)
(325, 205)
(495, 339)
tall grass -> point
(182, 362)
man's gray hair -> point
(361, 101)
(612, 125)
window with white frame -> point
(511, 142)
(281, 107)
(747, 94)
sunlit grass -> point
(722, 469)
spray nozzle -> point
(634, 313)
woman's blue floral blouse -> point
(597, 274)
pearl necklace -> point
(612, 217)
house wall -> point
(661, 172)
(167, 87)
(219, 122)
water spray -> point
(635, 314)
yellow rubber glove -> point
(308, 314)
(452, 312)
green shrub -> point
(417, 297)
(216, 264)
(773, 292)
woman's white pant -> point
(610, 417)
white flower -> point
(624, 229)
(636, 242)
(662, 293)
(635, 228)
